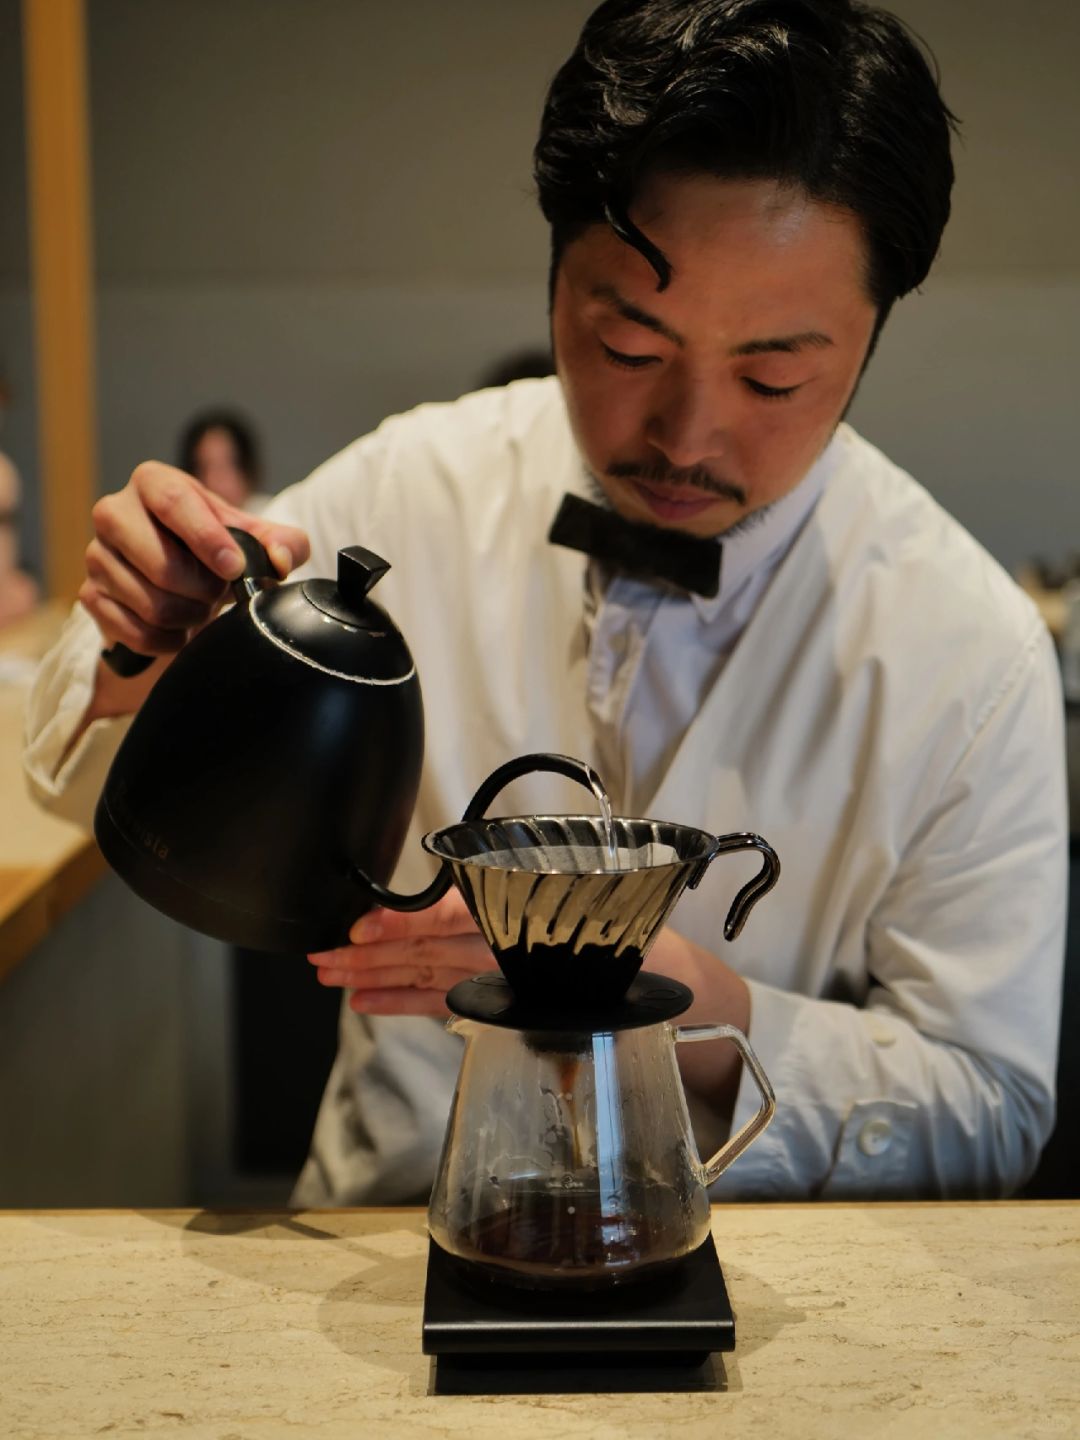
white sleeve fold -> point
(68, 785)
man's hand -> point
(403, 964)
(721, 996)
(161, 557)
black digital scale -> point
(490, 1338)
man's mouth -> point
(674, 502)
(673, 496)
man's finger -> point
(399, 1002)
(449, 917)
(183, 507)
(396, 977)
(455, 952)
(117, 623)
(154, 607)
(287, 546)
(123, 525)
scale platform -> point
(649, 1336)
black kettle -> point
(263, 791)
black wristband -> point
(126, 663)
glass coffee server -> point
(569, 1219)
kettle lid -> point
(334, 625)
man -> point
(738, 191)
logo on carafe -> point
(147, 838)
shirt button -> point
(875, 1137)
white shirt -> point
(655, 652)
(872, 694)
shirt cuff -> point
(767, 1169)
(65, 784)
(818, 1145)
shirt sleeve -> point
(66, 784)
(942, 1084)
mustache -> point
(657, 473)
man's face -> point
(699, 404)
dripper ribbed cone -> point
(569, 921)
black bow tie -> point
(645, 551)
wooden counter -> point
(885, 1321)
(46, 864)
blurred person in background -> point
(18, 591)
(738, 192)
(221, 449)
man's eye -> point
(770, 392)
(628, 362)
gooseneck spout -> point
(496, 781)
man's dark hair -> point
(832, 96)
(239, 431)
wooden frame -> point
(54, 34)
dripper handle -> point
(754, 889)
(527, 765)
(747, 1133)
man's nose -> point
(687, 427)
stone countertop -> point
(882, 1321)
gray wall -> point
(321, 211)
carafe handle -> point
(747, 1133)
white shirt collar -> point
(764, 542)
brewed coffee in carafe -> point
(569, 1158)
(561, 1162)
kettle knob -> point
(358, 570)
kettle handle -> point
(496, 781)
(748, 1132)
(258, 573)
(754, 889)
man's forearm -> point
(710, 1069)
(115, 696)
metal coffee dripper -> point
(569, 1160)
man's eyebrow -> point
(785, 344)
(782, 344)
(629, 311)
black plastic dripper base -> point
(491, 1339)
(490, 999)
